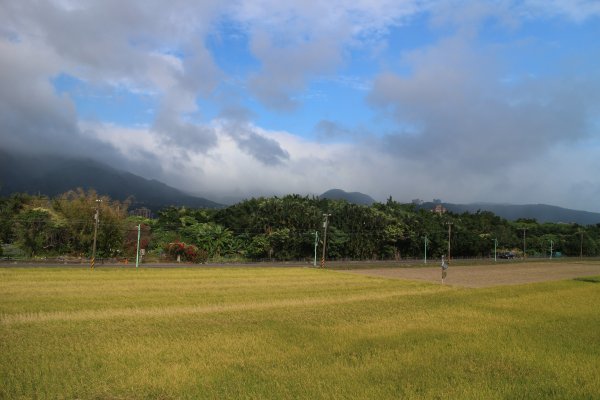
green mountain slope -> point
(53, 175)
(540, 212)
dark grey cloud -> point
(470, 121)
(186, 136)
(36, 120)
(237, 124)
(140, 162)
(103, 43)
(109, 38)
(286, 68)
(32, 117)
(266, 150)
(200, 74)
(332, 131)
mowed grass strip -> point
(291, 333)
(34, 291)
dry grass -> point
(291, 333)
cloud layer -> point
(485, 108)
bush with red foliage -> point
(188, 252)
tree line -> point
(275, 228)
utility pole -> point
(551, 244)
(325, 225)
(495, 247)
(449, 236)
(137, 253)
(580, 244)
(524, 248)
(426, 240)
(316, 241)
(96, 221)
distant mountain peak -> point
(350, 197)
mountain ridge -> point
(512, 212)
(51, 176)
(56, 175)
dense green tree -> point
(257, 247)
(9, 209)
(33, 230)
(211, 237)
(280, 228)
(78, 208)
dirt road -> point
(491, 275)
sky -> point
(464, 101)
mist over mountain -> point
(540, 212)
(53, 175)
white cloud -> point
(577, 10)
(311, 168)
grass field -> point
(291, 333)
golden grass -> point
(291, 333)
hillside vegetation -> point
(275, 228)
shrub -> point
(188, 252)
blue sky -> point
(454, 99)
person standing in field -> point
(444, 269)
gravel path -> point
(491, 275)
